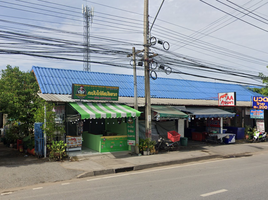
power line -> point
(235, 17)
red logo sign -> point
(227, 99)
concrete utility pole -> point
(135, 96)
(148, 119)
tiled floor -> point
(83, 152)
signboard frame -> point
(256, 114)
(227, 99)
(95, 92)
(260, 103)
(131, 131)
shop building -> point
(167, 98)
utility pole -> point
(148, 119)
(88, 15)
(135, 97)
(45, 135)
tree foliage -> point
(52, 128)
(263, 90)
(18, 96)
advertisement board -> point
(260, 103)
(73, 143)
(131, 131)
(95, 92)
(114, 143)
(257, 114)
(227, 99)
(260, 125)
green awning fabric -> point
(104, 110)
(168, 112)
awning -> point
(203, 112)
(168, 112)
(104, 110)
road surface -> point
(233, 178)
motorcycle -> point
(259, 136)
(166, 145)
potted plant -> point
(9, 138)
(249, 131)
(28, 143)
(152, 147)
(144, 146)
(57, 150)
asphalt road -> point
(236, 178)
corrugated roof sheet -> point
(59, 81)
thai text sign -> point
(94, 92)
(131, 131)
(113, 143)
(260, 103)
(227, 99)
(213, 122)
(257, 114)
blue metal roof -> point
(59, 81)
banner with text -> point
(95, 92)
(227, 99)
(131, 131)
(257, 114)
(260, 103)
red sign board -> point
(227, 99)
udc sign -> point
(260, 103)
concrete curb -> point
(146, 166)
(173, 162)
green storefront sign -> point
(113, 143)
(95, 92)
(131, 131)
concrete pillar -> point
(181, 127)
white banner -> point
(227, 99)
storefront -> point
(103, 127)
(164, 114)
(205, 120)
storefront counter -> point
(102, 143)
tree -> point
(18, 97)
(52, 128)
(262, 90)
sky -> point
(210, 40)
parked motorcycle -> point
(166, 145)
(259, 136)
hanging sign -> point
(131, 131)
(227, 99)
(260, 125)
(257, 114)
(211, 122)
(260, 103)
(94, 92)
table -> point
(229, 137)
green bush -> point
(28, 142)
(57, 150)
